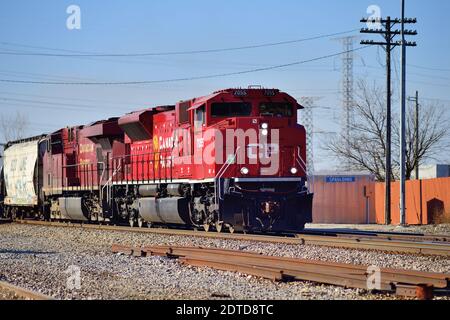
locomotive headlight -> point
(265, 126)
(245, 171)
(265, 132)
(294, 170)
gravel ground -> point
(39, 258)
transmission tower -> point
(347, 84)
(308, 123)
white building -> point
(434, 171)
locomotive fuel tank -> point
(173, 210)
(149, 190)
(72, 209)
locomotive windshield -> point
(231, 109)
(276, 109)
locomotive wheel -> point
(206, 227)
(13, 214)
(140, 222)
(219, 227)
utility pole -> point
(404, 44)
(388, 33)
(416, 131)
(388, 45)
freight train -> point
(230, 161)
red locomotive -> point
(231, 160)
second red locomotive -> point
(231, 160)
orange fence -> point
(344, 203)
(427, 202)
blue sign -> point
(340, 179)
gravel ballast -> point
(46, 260)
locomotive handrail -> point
(151, 161)
(109, 182)
(85, 171)
(302, 163)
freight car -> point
(232, 160)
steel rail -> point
(362, 242)
(401, 282)
(394, 237)
(23, 293)
(380, 235)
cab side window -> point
(200, 116)
(70, 135)
(183, 113)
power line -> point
(70, 99)
(59, 105)
(166, 62)
(44, 106)
(220, 75)
(413, 81)
(172, 53)
(43, 76)
(436, 99)
(133, 61)
(429, 68)
(429, 76)
(51, 77)
(411, 73)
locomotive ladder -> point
(221, 172)
(304, 167)
(108, 185)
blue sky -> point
(160, 26)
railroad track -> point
(2, 221)
(380, 235)
(353, 241)
(21, 293)
(407, 283)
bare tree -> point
(365, 147)
(13, 127)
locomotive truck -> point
(233, 160)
